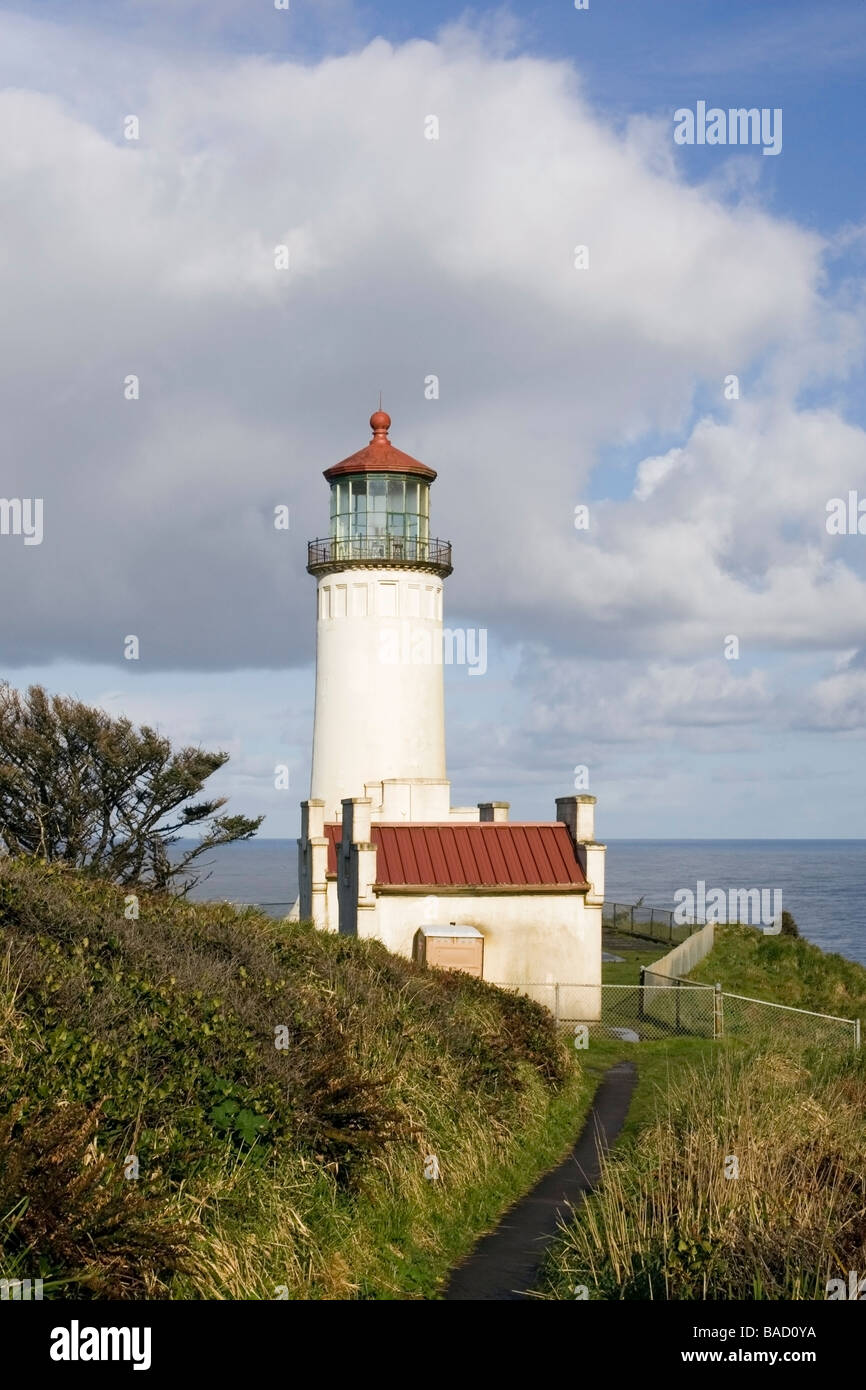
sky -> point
(694, 378)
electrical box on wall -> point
(451, 947)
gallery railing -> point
(329, 552)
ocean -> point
(823, 882)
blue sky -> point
(261, 126)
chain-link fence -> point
(759, 1020)
(277, 910)
(659, 1007)
(663, 1006)
(648, 923)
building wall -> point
(529, 938)
(395, 800)
(380, 709)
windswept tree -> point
(78, 785)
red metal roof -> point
(473, 854)
(380, 456)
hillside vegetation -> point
(785, 970)
(279, 1092)
(748, 1182)
(742, 1171)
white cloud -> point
(837, 703)
(653, 471)
(408, 256)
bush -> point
(89, 790)
(261, 1071)
(60, 1198)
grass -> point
(785, 970)
(659, 1066)
(744, 1180)
(277, 1091)
(627, 971)
(667, 1221)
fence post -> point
(857, 1032)
(640, 1012)
(677, 1002)
(718, 1019)
(556, 1001)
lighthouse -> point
(382, 852)
(380, 709)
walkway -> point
(506, 1264)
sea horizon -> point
(824, 891)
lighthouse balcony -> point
(326, 555)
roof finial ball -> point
(380, 423)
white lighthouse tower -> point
(382, 852)
(380, 719)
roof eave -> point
(480, 889)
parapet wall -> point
(686, 956)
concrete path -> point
(506, 1264)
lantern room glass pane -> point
(376, 505)
(359, 508)
(380, 506)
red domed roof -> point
(380, 456)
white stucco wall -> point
(380, 709)
(529, 938)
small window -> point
(387, 603)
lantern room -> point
(380, 509)
(376, 505)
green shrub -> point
(60, 1200)
(166, 1026)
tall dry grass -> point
(670, 1221)
(296, 1168)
